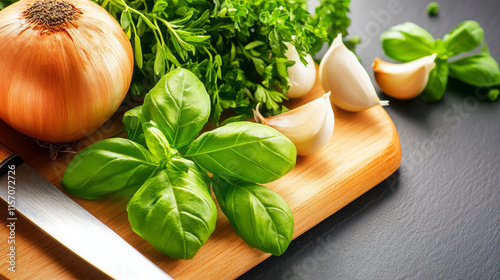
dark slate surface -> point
(438, 216)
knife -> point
(30, 194)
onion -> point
(65, 67)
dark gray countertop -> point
(438, 216)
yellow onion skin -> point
(62, 85)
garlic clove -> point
(301, 77)
(309, 126)
(341, 73)
(406, 80)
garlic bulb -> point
(309, 126)
(406, 80)
(65, 67)
(301, 77)
(341, 73)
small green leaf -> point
(132, 124)
(464, 38)
(253, 44)
(157, 142)
(438, 79)
(159, 7)
(138, 51)
(141, 27)
(477, 70)
(407, 42)
(125, 19)
(259, 65)
(159, 66)
(258, 215)
(128, 32)
(179, 163)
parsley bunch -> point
(236, 47)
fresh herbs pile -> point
(237, 48)
(165, 171)
(408, 42)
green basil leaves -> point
(171, 206)
(464, 38)
(174, 211)
(157, 142)
(408, 41)
(478, 70)
(179, 105)
(110, 166)
(247, 151)
(258, 215)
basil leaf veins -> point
(157, 142)
(244, 150)
(174, 211)
(179, 105)
(113, 165)
(258, 215)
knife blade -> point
(30, 194)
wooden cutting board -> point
(363, 151)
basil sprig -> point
(165, 170)
(408, 41)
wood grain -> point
(4, 152)
(363, 151)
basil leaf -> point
(179, 105)
(132, 124)
(258, 215)
(440, 49)
(438, 79)
(478, 70)
(464, 38)
(113, 165)
(157, 142)
(244, 150)
(407, 42)
(174, 211)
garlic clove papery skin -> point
(60, 86)
(309, 126)
(405, 80)
(341, 73)
(301, 78)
